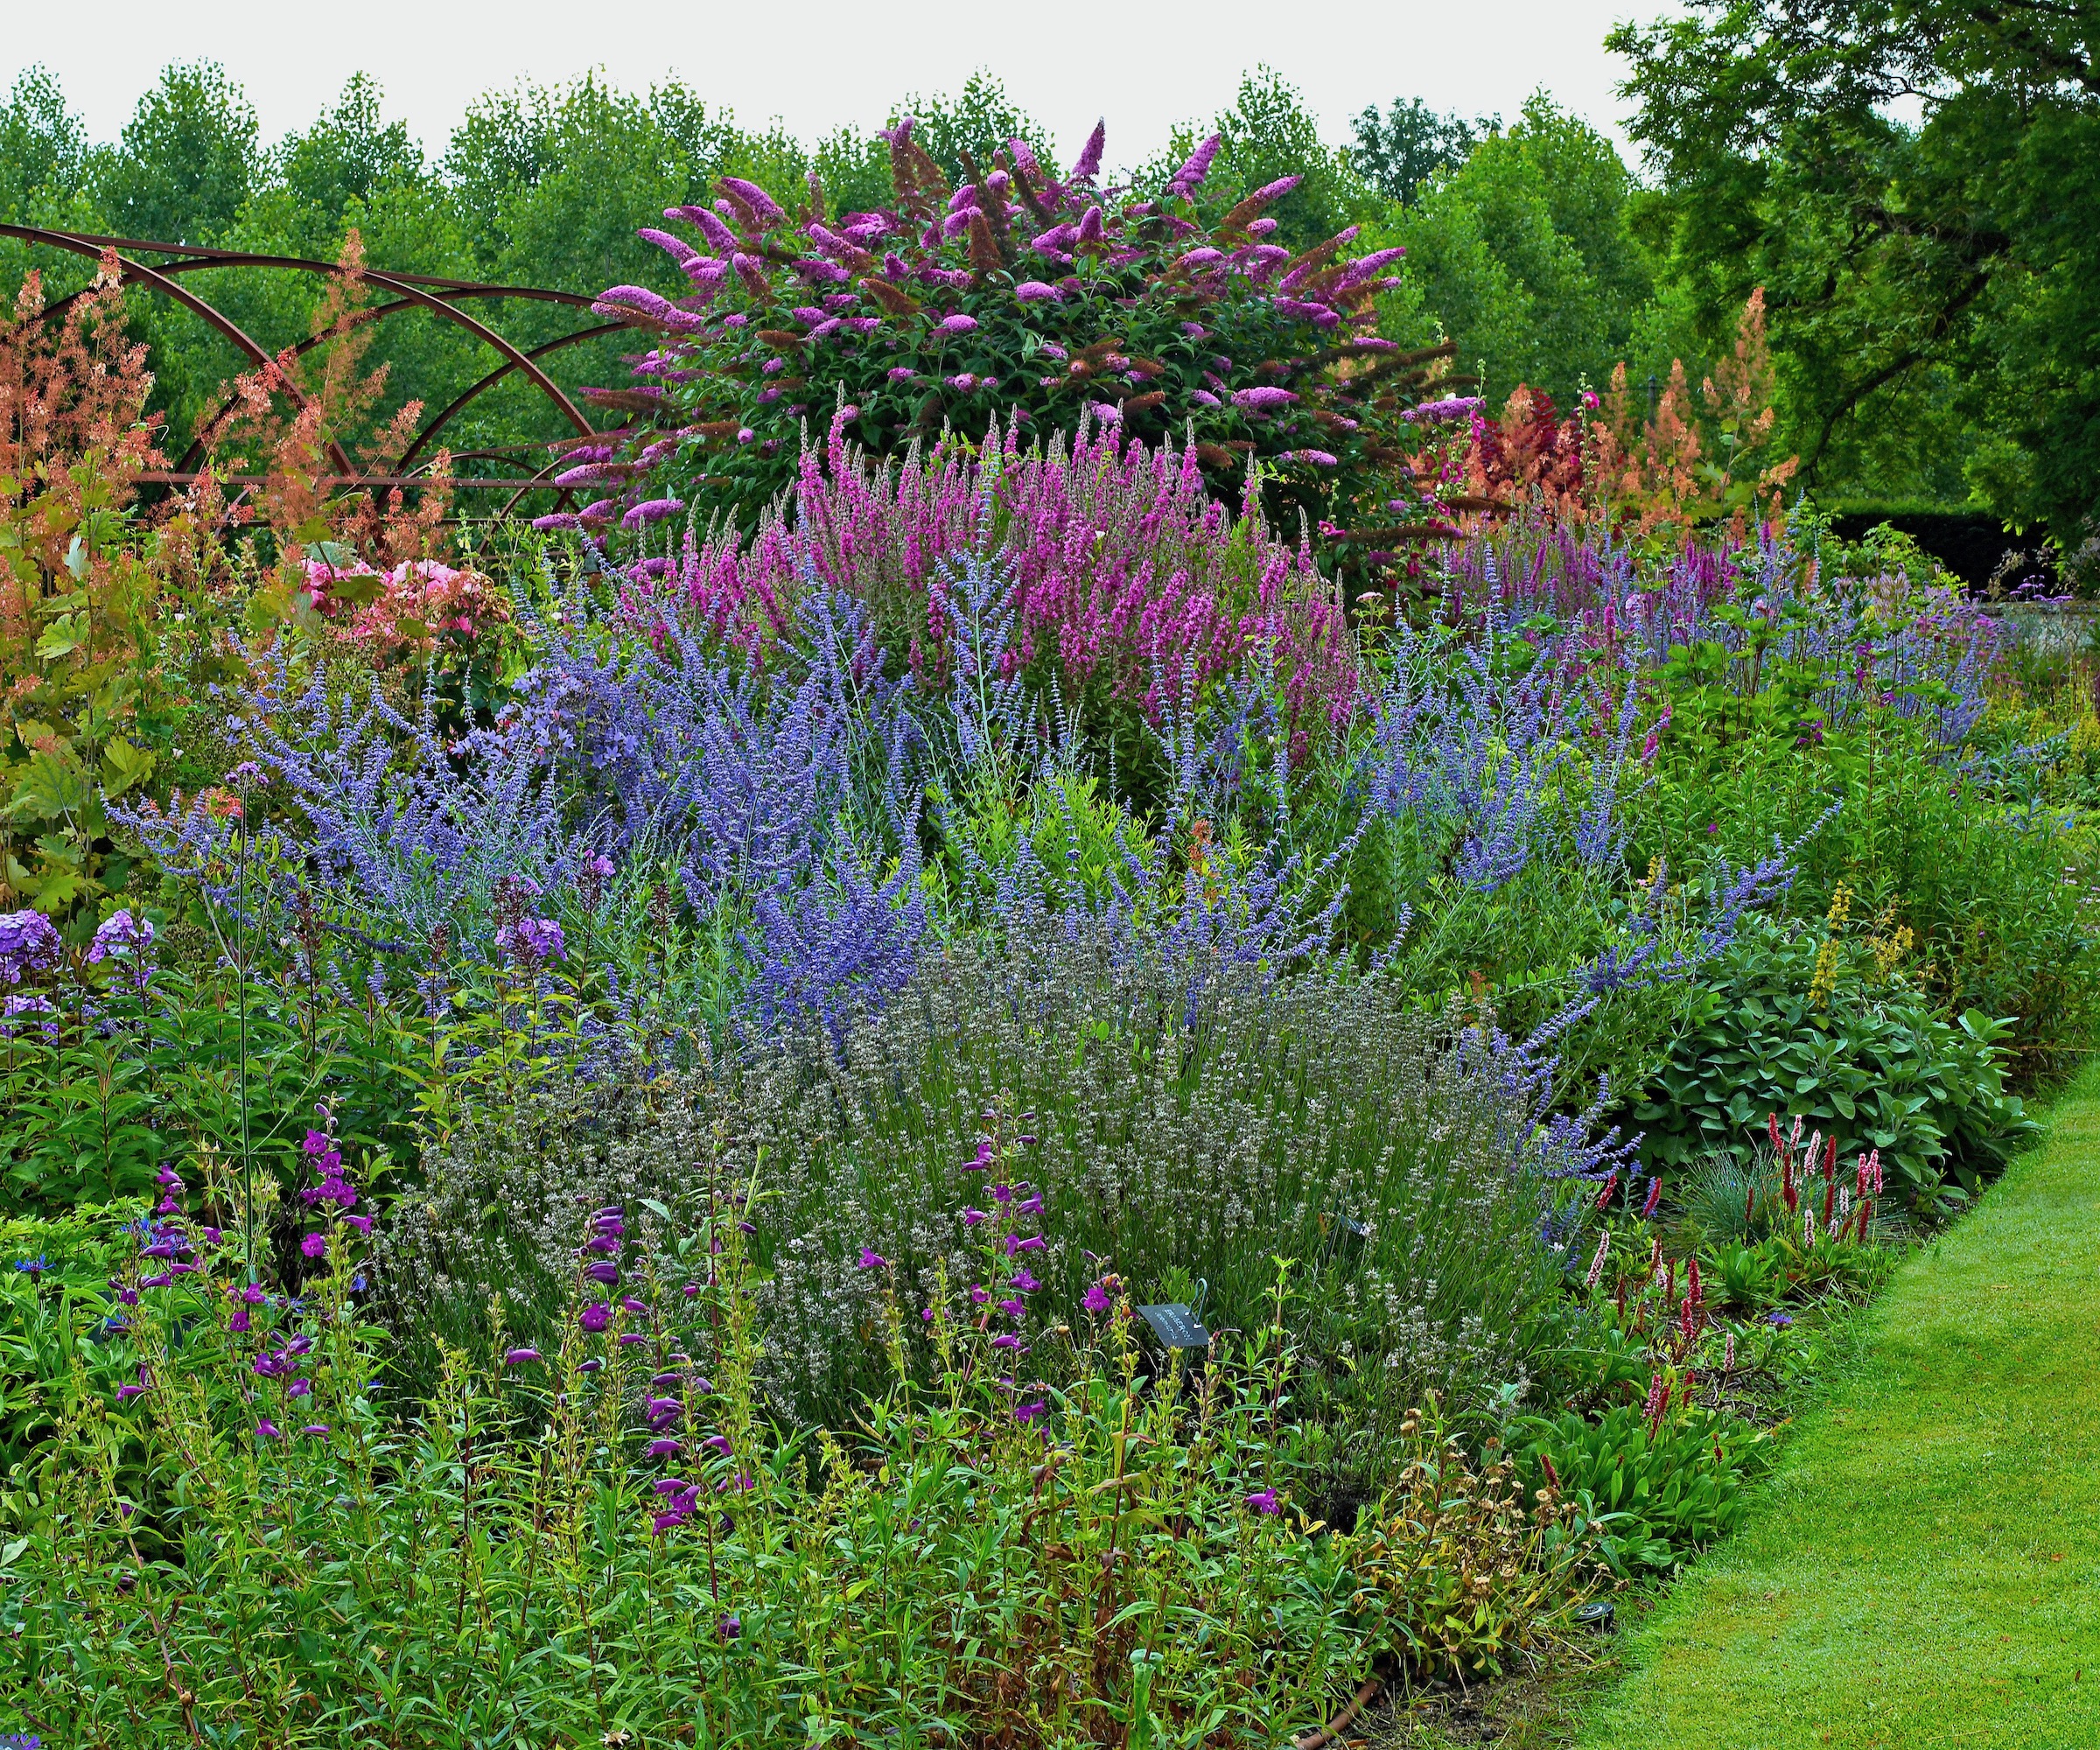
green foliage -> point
(1654, 1493)
(1791, 1023)
(1411, 145)
(1137, 1576)
(1931, 285)
(1523, 251)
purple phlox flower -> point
(870, 1259)
(532, 942)
(519, 1357)
(1263, 1501)
(29, 944)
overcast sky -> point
(816, 63)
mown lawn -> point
(1926, 1569)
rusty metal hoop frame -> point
(440, 296)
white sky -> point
(816, 63)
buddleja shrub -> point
(1015, 291)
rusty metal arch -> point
(426, 291)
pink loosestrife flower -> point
(1125, 570)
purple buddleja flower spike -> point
(720, 236)
(1089, 166)
(1090, 226)
(769, 211)
(1190, 177)
(1276, 189)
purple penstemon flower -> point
(1263, 1501)
(1022, 1283)
(870, 1259)
(520, 1357)
(1016, 1244)
(595, 1317)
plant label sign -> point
(1175, 1326)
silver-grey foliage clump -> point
(1392, 1156)
(1289, 1109)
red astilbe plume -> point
(74, 437)
(303, 499)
